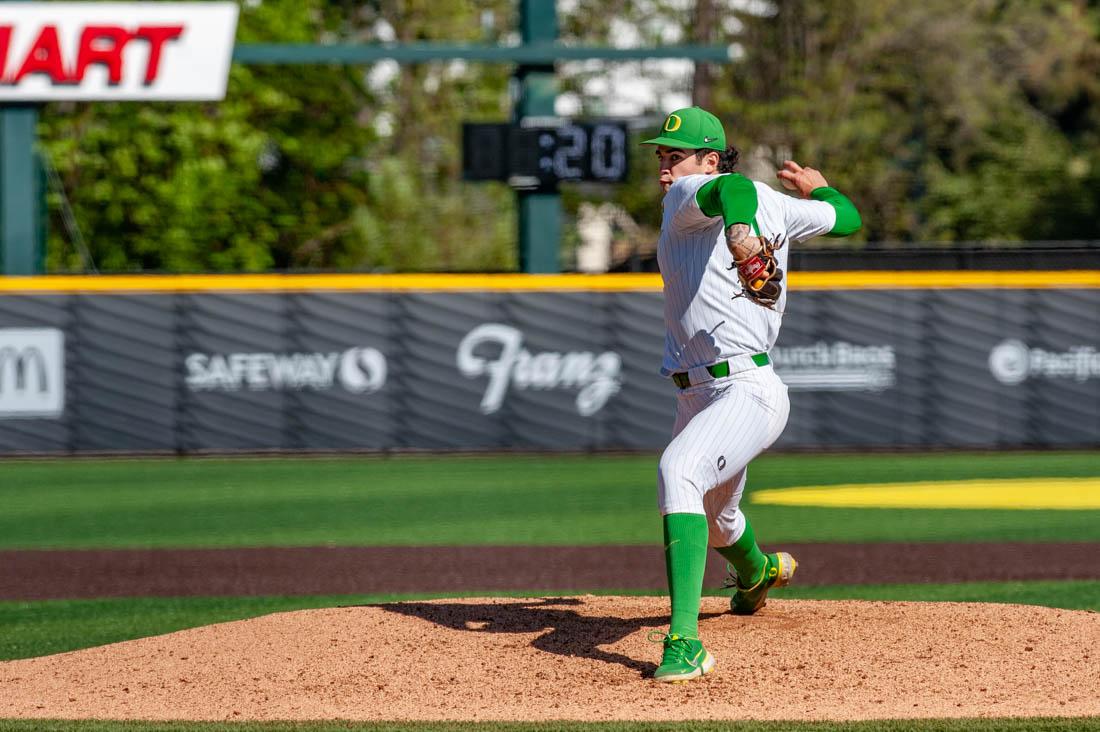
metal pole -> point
(420, 51)
(20, 192)
(539, 213)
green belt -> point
(718, 370)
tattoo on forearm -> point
(735, 237)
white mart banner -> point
(115, 51)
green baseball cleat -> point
(683, 658)
(777, 573)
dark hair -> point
(727, 159)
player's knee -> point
(679, 478)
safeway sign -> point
(135, 51)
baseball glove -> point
(760, 274)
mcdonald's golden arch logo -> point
(673, 123)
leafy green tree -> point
(319, 166)
(945, 121)
(941, 118)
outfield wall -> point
(195, 364)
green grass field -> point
(540, 500)
(483, 500)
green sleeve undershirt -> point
(733, 197)
(847, 217)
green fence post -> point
(20, 192)
(539, 213)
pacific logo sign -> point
(32, 372)
(1012, 362)
(89, 51)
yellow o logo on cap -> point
(673, 123)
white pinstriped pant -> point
(720, 426)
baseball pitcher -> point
(723, 255)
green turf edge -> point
(29, 629)
(461, 500)
(1035, 724)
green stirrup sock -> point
(685, 560)
(746, 557)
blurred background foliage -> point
(944, 121)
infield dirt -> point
(581, 658)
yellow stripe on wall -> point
(947, 279)
(847, 280)
(327, 282)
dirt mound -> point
(581, 658)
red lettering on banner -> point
(102, 44)
(5, 41)
(44, 58)
(99, 44)
(157, 35)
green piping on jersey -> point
(847, 217)
(733, 197)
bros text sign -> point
(136, 51)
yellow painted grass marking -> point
(1022, 493)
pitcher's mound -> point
(581, 658)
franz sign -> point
(115, 51)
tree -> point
(943, 120)
(308, 166)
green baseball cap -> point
(691, 128)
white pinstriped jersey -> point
(705, 322)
